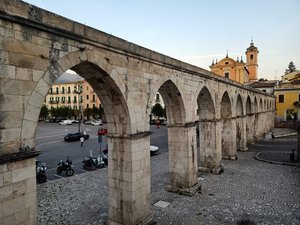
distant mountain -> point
(68, 77)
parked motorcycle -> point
(93, 162)
(65, 166)
(40, 172)
(105, 156)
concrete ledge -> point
(285, 135)
(257, 157)
(14, 157)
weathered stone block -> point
(24, 74)
(23, 174)
(10, 134)
(31, 113)
(28, 61)
(17, 87)
(7, 71)
(7, 178)
(14, 205)
(42, 87)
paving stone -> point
(248, 190)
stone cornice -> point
(18, 156)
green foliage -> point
(158, 110)
(44, 112)
(88, 112)
(291, 68)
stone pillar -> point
(129, 179)
(210, 146)
(250, 129)
(18, 198)
(257, 135)
(229, 139)
(183, 159)
(243, 142)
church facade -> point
(238, 70)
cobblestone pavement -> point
(248, 191)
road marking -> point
(47, 143)
(48, 136)
(57, 175)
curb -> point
(275, 162)
(285, 135)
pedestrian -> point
(81, 141)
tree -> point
(157, 110)
(44, 112)
(291, 68)
(64, 111)
(54, 112)
(88, 112)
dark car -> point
(76, 136)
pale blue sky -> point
(197, 31)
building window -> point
(264, 90)
(57, 90)
(251, 56)
(94, 98)
(75, 100)
(87, 88)
(226, 63)
(157, 97)
(69, 90)
(226, 74)
(63, 90)
(87, 97)
(281, 98)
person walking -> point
(81, 141)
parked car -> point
(66, 122)
(153, 149)
(97, 122)
(76, 136)
(88, 122)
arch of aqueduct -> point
(37, 46)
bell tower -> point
(251, 61)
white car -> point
(66, 122)
(153, 149)
(97, 122)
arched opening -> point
(240, 131)
(209, 154)
(256, 115)
(122, 146)
(228, 134)
(260, 105)
(249, 121)
(183, 148)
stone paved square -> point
(263, 193)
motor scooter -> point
(65, 166)
(93, 162)
(40, 172)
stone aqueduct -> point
(37, 46)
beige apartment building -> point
(77, 95)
